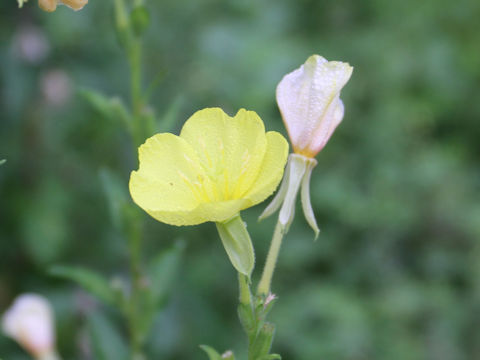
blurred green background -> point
(395, 273)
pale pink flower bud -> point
(30, 322)
(309, 100)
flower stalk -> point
(266, 279)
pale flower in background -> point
(30, 44)
(30, 322)
(309, 100)
(51, 5)
(56, 87)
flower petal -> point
(230, 150)
(217, 212)
(168, 176)
(271, 170)
(305, 95)
(333, 117)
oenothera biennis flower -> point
(51, 5)
(218, 166)
(309, 101)
(30, 322)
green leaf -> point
(116, 192)
(237, 244)
(167, 121)
(110, 108)
(90, 280)
(21, 2)
(2, 162)
(147, 117)
(156, 80)
(107, 344)
(271, 357)
(211, 352)
(162, 272)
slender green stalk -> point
(135, 60)
(246, 311)
(134, 54)
(266, 280)
(50, 356)
(134, 306)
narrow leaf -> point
(90, 280)
(271, 357)
(107, 344)
(162, 271)
(167, 122)
(116, 192)
(211, 352)
(110, 108)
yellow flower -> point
(51, 5)
(217, 167)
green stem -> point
(134, 53)
(50, 356)
(135, 60)
(266, 280)
(134, 308)
(247, 311)
(245, 293)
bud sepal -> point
(297, 175)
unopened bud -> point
(309, 100)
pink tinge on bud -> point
(29, 321)
(309, 100)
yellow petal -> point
(230, 150)
(168, 177)
(271, 169)
(217, 212)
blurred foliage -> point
(395, 272)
